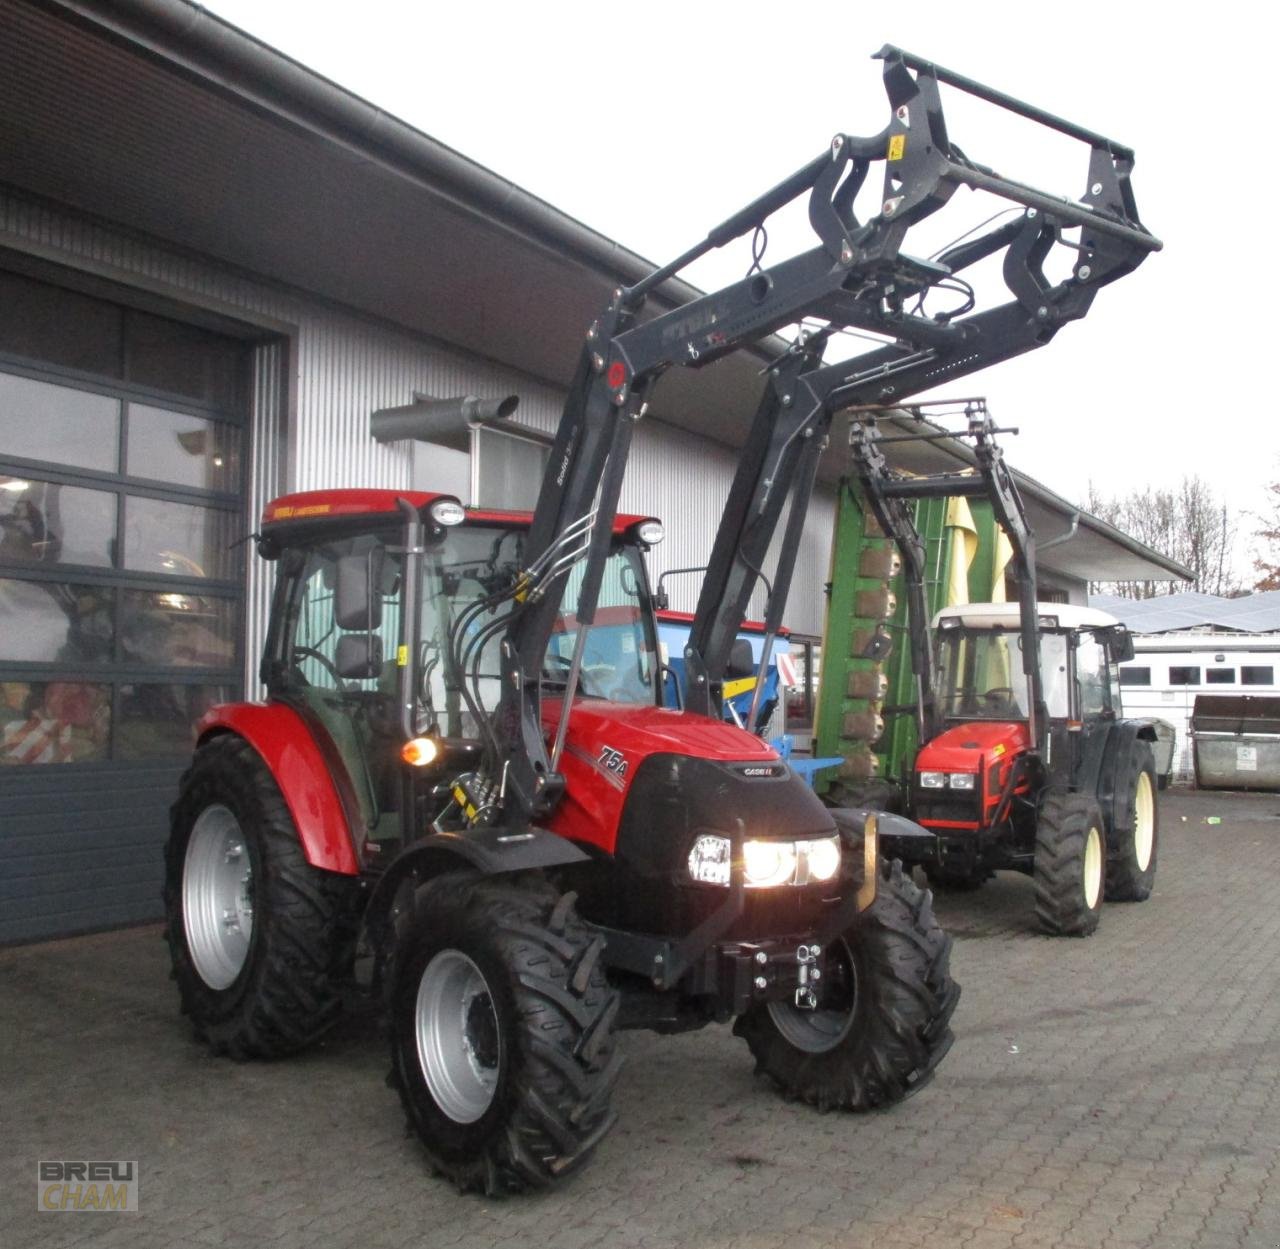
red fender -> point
(286, 746)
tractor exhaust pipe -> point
(443, 422)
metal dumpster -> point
(1235, 741)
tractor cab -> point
(376, 668)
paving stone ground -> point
(1118, 1091)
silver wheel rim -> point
(217, 897)
(817, 1031)
(1092, 867)
(459, 1040)
(1144, 822)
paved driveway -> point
(1123, 1090)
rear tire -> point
(258, 938)
(883, 1022)
(1069, 868)
(1131, 866)
(502, 1043)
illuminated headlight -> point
(962, 780)
(933, 780)
(766, 864)
(447, 512)
(824, 857)
(709, 860)
(769, 863)
(650, 532)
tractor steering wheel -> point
(998, 697)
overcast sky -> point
(652, 122)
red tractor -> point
(462, 798)
(1026, 762)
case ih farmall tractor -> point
(461, 797)
(1026, 762)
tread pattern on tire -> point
(905, 1027)
(1125, 881)
(1061, 833)
(289, 993)
(566, 1063)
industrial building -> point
(214, 267)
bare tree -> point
(1186, 522)
(1266, 561)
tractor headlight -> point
(933, 780)
(962, 780)
(824, 857)
(709, 860)
(447, 512)
(650, 532)
(766, 864)
(769, 863)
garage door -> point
(122, 445)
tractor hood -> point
(608, 744)
(963, 747)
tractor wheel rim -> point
(458, 1036)
(1144, 822)
(818, 1031)
(217, 897)
(1092, 867)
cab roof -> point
(667, 616)
(1007, 616)
(312, 505)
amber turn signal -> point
(419, 751)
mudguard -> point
(489, 851)
(286, 746)
(1099, 769)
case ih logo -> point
(761, 771)
(613, 761)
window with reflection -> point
(54, 722)
(42, 522)
(183, 449)
(161, 535)
(56, 622)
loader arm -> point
(857, 277)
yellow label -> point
(731, 689)
(402, 657)
(997, 750)
(897, 145)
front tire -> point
(1131, 866)
(258, 938)
(883, 1022)
(502, 1043)
(1069, 868)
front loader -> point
(462, 798)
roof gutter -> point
(212, 50)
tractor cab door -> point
(1095, 707)
(336, 665)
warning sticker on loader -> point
(1246, 758)
(897, 146)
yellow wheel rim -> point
(1144, 822)
(1092, 867)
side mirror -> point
(358, 656)
(1120, 644)
(357, 596)
(741, 663)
